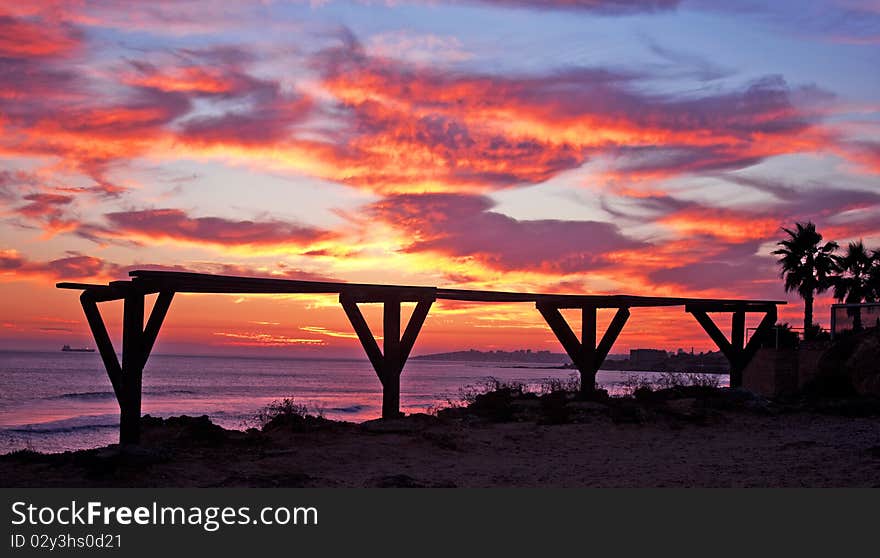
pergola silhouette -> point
(586, 351)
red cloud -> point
(20, 38)
(44, 205)
(175, 224)
(74, 266)
(417, 129)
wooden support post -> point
(392, 365)
(388, 364)
(132, 368)
(588, 350)
(737, 342)
(586, 355)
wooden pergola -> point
(586, 351)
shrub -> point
(553, 385)
(281, 412)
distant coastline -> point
(522, 355)
(656, 360)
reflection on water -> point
(61, 401)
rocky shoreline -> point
(683, 436)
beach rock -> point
(684, 406)
(404, 481)
(687, 409)
(405, 425)
(526, 408)
(182, 430)
(590, 407)
(597, 395)
(497, 405)
(453, 413)
(555, 409)
(628, 411)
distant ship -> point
(69, 349)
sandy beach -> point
(724, 439)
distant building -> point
(647, 357)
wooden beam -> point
(416, 321)
(103, 342)
(563, 332)
(368, 342)
(154, 323)
(391, 361)
(610, 336)
(730, 305)
(738, 330)
(717, 336)
(132, 368)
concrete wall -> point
(778, 371)
(772, 372)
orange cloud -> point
(265, 339)
(732, 226)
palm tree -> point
(852, 283)
(806, 265)
(874, 275)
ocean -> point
(54, 401)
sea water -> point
(54, 401)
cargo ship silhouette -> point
(69, 349)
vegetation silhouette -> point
(810, 268)
(807, 266)
(852, 283)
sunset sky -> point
(648, 147)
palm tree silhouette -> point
(852, 283)
(874, 276)
(806, 265)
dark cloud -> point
(176, 224)
(736, 268)
(465, 226)
(603, 7)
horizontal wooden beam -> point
(730, 306)
(97, 293)
(147, 281)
